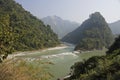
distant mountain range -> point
(115, 27)
(59, 26)
(94, 33)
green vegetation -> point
(115, 46)
(99, 67)
(6, 37)
(20, 30)
(94, 33)
(31, 33)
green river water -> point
(61, 59)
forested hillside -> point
(99, 68)
(94, 33)
(20, 30)
(30, 32)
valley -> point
(58, 59)
(78, 43)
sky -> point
(73, 10)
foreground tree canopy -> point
(6, 36)
(99, 68)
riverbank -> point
(61, 57)
(20, 53)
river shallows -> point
(62, 59)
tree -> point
(6, 37)
(114, 46)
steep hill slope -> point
(31, 33)
(60, 26)
(94, 33)
(99, 67)
(115, 27)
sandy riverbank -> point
(15, 54)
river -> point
(62, 58)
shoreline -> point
(22, 53)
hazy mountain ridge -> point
(115, 27)
(94, 33)
(60, 26)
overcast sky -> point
(74, 10)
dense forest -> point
(20, 31)
(30, 32)
(6, 37)
(99, 68)
(94, 33)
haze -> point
(74, 10)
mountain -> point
(60, 26)
(93, 33)
(29, 31)
(115, 27)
